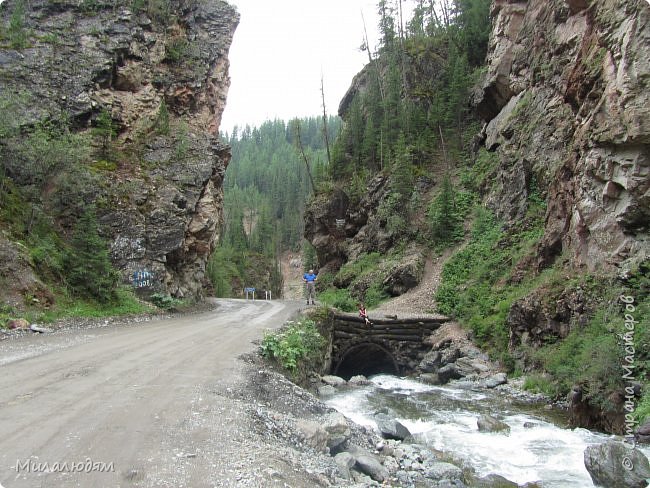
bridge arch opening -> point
(367, 359)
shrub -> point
(484, 165)
(17, 34)
(162, 119)
(104, 132)
(538, 383)
(166, 302)
(294, 344)
(47, 151)
(176, 49)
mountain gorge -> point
(509, 140)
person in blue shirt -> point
(310, 279)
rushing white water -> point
(445, 418)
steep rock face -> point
(161, 72)
(566, 102)
(566, 105)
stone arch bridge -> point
(391, 345)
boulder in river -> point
(332, 380)
(616, 465)
(358, 380)
(487, 423)
(470, 366)
(326, 390)
(430, 362)
(495, 380)
(493, 481)
(448, 372)
(429, 378)
(642, 433)
(391, 428)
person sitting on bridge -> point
(310, 279)
(364, 314)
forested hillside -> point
(266, 189)
(467, 135)
(402, 172)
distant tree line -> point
(265, 191)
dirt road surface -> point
(148, 400)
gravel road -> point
(158, 402)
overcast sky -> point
(281, 48)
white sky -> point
(281, 48)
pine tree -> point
(105, 132)
(402, 177)
(87, 267)
(446, 225)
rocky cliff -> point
(567, 106)
(153, 76)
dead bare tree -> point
(296, 128)
(372, 60)
(325, 132)
(444, 150)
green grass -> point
(473, 288)
(353, 270)
(338, 298)
(482, 168)
(66, 307)
(592, 356)
(642, 411)
(539, 383)
(359, 280)
(477, 288)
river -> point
(538, 447)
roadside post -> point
(251, 291)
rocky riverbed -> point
(342, 453)
(333, 451)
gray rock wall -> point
(566, 105)
(160, 204)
